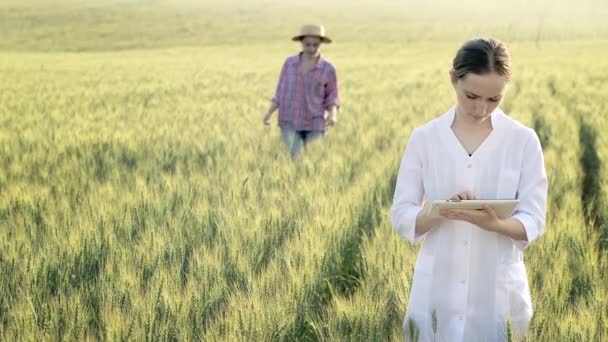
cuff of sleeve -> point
(529, 226)
(407, 227)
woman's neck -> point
(469, 122)
(310, 57)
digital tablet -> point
(503, 208)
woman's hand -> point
(463, 195)
(485, 218)
(331, 117)
(267, 117)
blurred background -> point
(142, 198)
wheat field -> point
(141, 198)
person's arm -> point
(532, 189)
(331, 101)
(273, 107)
(331, 116)
(512, 228)
(488, 220)
(424, 223)
(275, 104)
(407, 215)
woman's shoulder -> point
(292, 58)
(329, 64)
(430, 128)
(425, 135)
(516, 128)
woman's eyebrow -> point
(473, 94)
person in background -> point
(307, 92)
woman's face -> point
(479, 95)
(311, 45)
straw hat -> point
(314, 31)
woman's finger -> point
(491, 211)
(445, 212)
(456, 213)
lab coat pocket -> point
(514, 293)
(507, 251)
(420, 293)
(508, 184)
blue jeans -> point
(296, 139)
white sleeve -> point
(409, 191)
(532, 192)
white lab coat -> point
(474, 280)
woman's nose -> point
(481, 106)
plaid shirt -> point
(303, 98)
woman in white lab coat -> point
(469, 276)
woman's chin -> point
(479, 116)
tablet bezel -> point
(503, 208)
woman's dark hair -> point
(481, 56)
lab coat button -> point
(469, 165)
